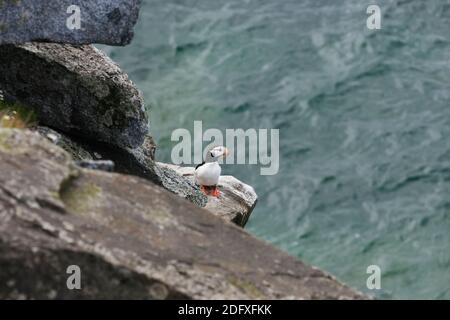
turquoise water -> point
(364, 119)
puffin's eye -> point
(212, 154)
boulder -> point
(129, 237)
(75, 89)
(235, 202)
(101, 21)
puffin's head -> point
(216, 153)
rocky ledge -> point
(130, 238)
(236, 200)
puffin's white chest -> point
(208, 174)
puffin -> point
(207, 174)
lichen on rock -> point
(80, 197)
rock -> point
(76, 150)
(102, 165)
(236, 201)
(75, 89)
(130, 238)
(105, 21)
(140, 162)
(183, 187)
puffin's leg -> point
(215, 192)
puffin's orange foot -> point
(210, 191)
(215, 192)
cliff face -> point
(130, 238)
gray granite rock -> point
(75, 89)
(101, 21)
(130, 238)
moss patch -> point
(9, 145)
(14, 115)
(246, 286)
(80, 197)
(5, 142)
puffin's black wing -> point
(199, 165)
